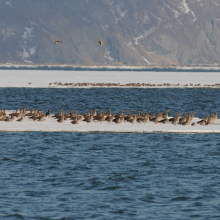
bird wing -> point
(98, 41)
(102, 40)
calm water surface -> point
(110, 176)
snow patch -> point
(147, 61)
(107, 56)
(27, 33)
(118, 8)
(145, 35)
(176, 13)
(24, 51)
(104, 27)
(186, 10)
(32, 50)
(8, 3)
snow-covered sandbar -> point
(51, 125)
(42, 78)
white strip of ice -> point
(51, 125)
(42, 78)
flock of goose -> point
(92, 115)
(87, 84)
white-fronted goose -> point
(58, 41)
(110, 118)
(61, 120)
(133, 120)
(187, 122)
(215, 117)
(183, 119)
(158, 118)
(101, 43)
(21, 119)
(166, 115)
(203, 121)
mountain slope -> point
(162, 32)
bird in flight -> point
(58, 41)
(101, 43)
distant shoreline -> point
(73, 67)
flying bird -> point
(58, 41)
(101, 43)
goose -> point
(10, 119)
(14, 113)
(118, 119)
(166, 115)
(101, 43)
(69, 114)
(95, 112)
(133, 120)
(30, 113)
(145, 119)
(210, 120)
(118, 116)
(187, 122)
(97, 117)
(35, 114)
(58, 41)
(164, 121)
(48, 113)
(152, 117)
(110, 118)
(73, 116)
(58, 114)
(203, 121)
(25, 110)
(176, 119)
(158, 118)
(88, 119)
(61, 116)
(101, 118)
(183, 119)
(42, 118)
(18, 114)
(89, 114)
(215, 117)
(129, 117)
(21, 119)
(76, 121)
(109, 113)
(81, 117)
(192, 116)
(3, 117)
(140, 115)
(177, 115)
(61, 120)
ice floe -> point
(42, 78)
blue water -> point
(203, 101)
(110, 176)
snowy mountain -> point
(162, 32)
